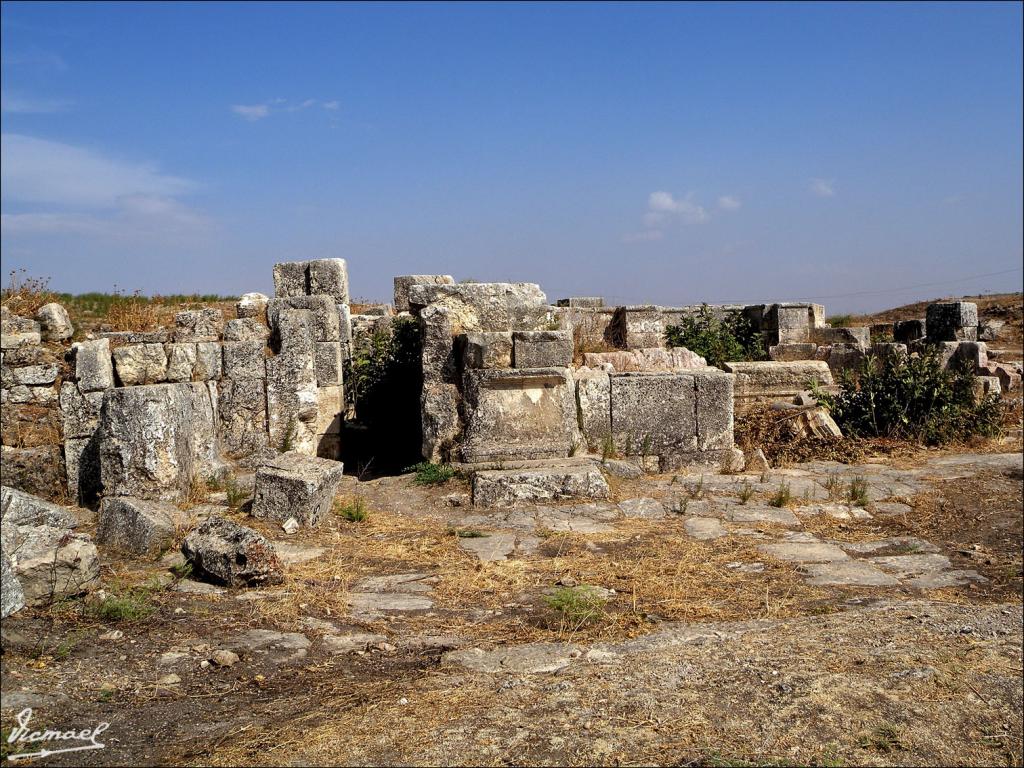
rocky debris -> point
(50, 563)
(276, 647)
(231, 554)
(813, 422)
(502, 488)
(294, 485)
(20, 508)
(224, 658)
(138, 526)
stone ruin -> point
(526, 395)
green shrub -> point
(857, 494)
(718, 341)
(354, 510)
(577, 605)
(133, 605)
(782, 496)
(428, 473)
(912, 398)
(840, 321)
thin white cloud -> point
(686, 209)
(333, 104)
(252, 112)
(23, 106)
(729, 203)
(823, 187)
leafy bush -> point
(912, 398)
(840, 321)
(428, 473)
(731, 338)
(576, 605)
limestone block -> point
(542, 349)
(93, 367)
(145, 444)
(120, 338)
(952, 321)
(791, 323)
(181, 359)
(138, 526)
(296, 485)
(38, 470)
(330, 408)
(82, 464)
(54, 322)
(989, 329)
(649, 359)
(15, 324)
(140, 364)
(29, 375)
(50, 563)
(714, 411)
(844, 357)
(906, 331)
(654, 413)
(246, 329)
(344, 324)
(12, 597)
(291, 278)
(31, 355)
(292, 407)
(505, 488)
(440, 422)
(486, 306)
(860, 337)
(225, 552)
(242, 410)
(244, 359)
(328, 363)
(329, 277)
(487, 349)
(792, 352)
(198, 325)
(987, 386)
(252, 306)
(20, 508)
(323, 309)
(404, 282)
(889, 350)
(209, 361)
(975, 353)
(766, 381)
(21, 393)
(519, 414)
(438, 348)
(80, 411)
(203, 423)
(593, 398)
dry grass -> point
(24, 295)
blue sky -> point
(863, 155)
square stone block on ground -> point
(503, 488)
(296, 485)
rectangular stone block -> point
(242, 410)
(198, 325)
(860, 337)
(583, 302)
(296, 485)
(291, 384)
(792, 352)
(714, 411)
(181, 359)
(209, 361)
(404, 282)
(80, 411)
(328, 363)
(138, 526)
(952, 321)
(329, 277)
(324, 310)
(330, 408)
(654, 413)
(29, 375)
(247, 329)
(486, 306)
(519, 414)
(482, 349)
(593, 400)
(140, 364)
(764, 382)
(291, 278)
(506, 488)
(94, 369)
(542, 349)
(906, 331)
(244, 360)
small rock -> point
(223, 658)
(386, 647)
(204, 664)
(171, 679)
(290, 526)
(114, 634)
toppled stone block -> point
(787, 353)
(54, 322)
(952, 321)
(292, 406)
(20, 508)
(651, 359)
(594, 404)
(519, 414)
(12, 597)
(404, 282)
(329, 277)
(486, 306)
(140, 364)
(93, 367)
(1009, 376)
(198, 325)
(252, 306)
(906, 331)
(247, 329)
(504, 488)
(38, 470)
(225, 552)
(756, 461)
(859, 337)
(296, 485)
(542, 349)
(483, 349)
(50, 563)
(323, 309)
(327, 364)
(138, 526)
(291, 278)
(814, 422)
(146, 441)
